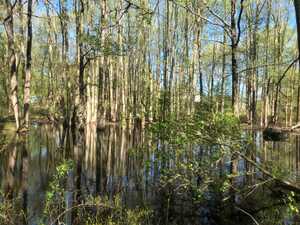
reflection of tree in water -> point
(90, 156)
(120, 161)
(14, 173)
(27, 163)
(111, 163)
(24, 175)
(116, 171)
(10, 168)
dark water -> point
(121, 162)
(113, 167)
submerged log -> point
(295, 126)
(275, 134)
(281, 182)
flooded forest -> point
(149, 112)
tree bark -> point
(28, 65)
(235, 78)
(297, 10)
(9, 27)
(165, 107)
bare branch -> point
(216, 15)
(248, 214)
(224, 26)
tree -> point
(9, 28)
(28, 65)
(235, 39)
(297, 10)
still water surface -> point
(113, 167)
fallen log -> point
(295, 126)
(275, 134)
(284, 183)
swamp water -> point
(121, 162)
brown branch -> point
(224, 26)
(286, 70)
(263, 65)
(217, 16)
(284, 183)
(39, 17)
(84, 205)
(136, 6)
(248, 214)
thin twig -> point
(225, 27)
(248, 214)
(216, 15)
(76, 207)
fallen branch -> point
(295, 126)
(76, 207)
(284, 183)
(248, 214)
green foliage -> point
(113, 213)
(109, 47)
(293, 207)
(6, 210)
(93, 210)
(55, 200)
(205, 128)
(9, 213)
(196, 146)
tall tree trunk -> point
(66, 85)
(9, 27)
(266, 85)
(20, 54)
(28, 65)
(78, 112)
(165, 107)
(297, 10)
(253, 72)
(235, 78)
(223, 79)
(212, 76)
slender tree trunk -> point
(165, 108)
(28, 65)
(199, 28)
(266, 85)
(173, 58)
(78, 111)
(235, 77)
(111, 90)
(158, 69)
(122, 74)
(253, 56)
(79, 13)
(20, 54)
(9, 27)
(212, 75)
(66, 84)
(223, 80)
(199, 64)
(297, 10)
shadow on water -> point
(118, 161)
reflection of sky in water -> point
(133, 175)
(44, 152)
